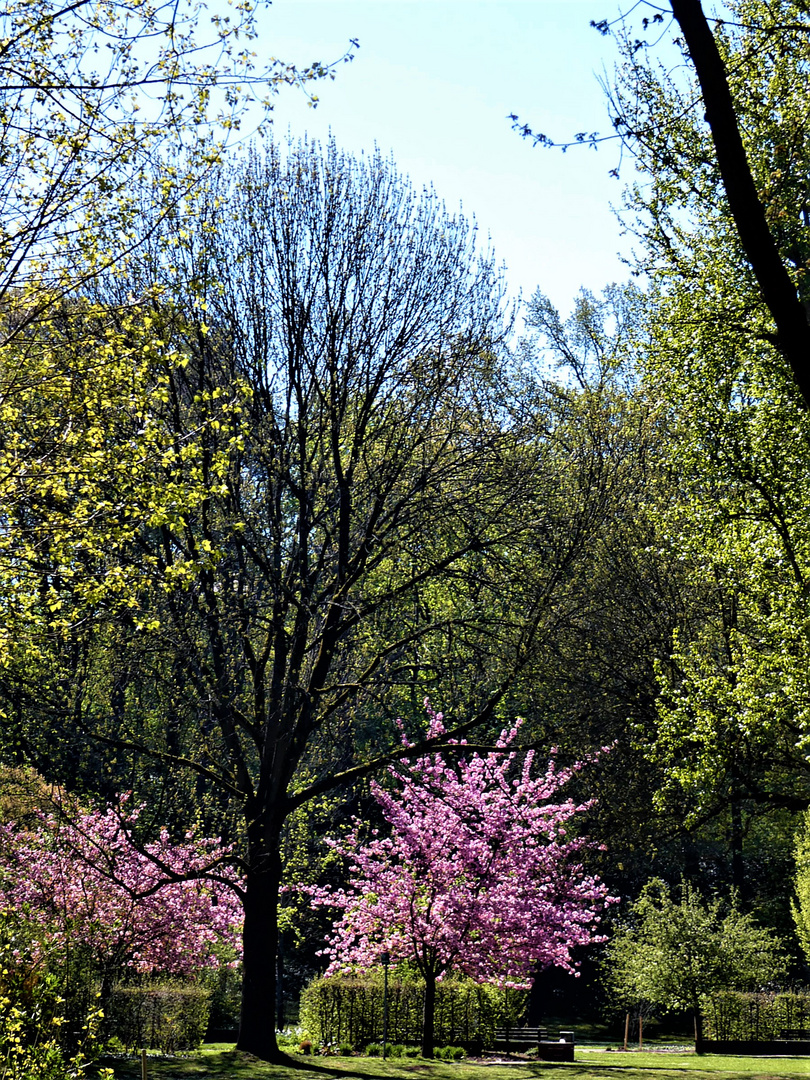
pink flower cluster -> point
(478, 873)
(84, 880)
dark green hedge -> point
(158, 1017)
(731, 1015)
(350, 1010)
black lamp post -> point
(386, 960)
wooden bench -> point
(518, 1037)
(527, 1038)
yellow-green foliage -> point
(33, 1042)
(96, 99)
(84, 467)
(674, 952)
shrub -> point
(373, 1049)
(754, 1016)
(224, 984)
(345, 1050)
(450, 1053)
(397, 1050)
(350, 1009)
(163, 1016)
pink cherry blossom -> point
(155, 908)
(479, 873)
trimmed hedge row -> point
(350, 1010)
(158, 1017)
(732, 1015)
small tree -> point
(672, 953)
(477, 875)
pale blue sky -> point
(433, 83)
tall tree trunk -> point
(698, 1030)
(257, 1029)
(762, 252)
(429, 1016)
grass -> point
(221, 1063)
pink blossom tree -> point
(160, 907)
(477, 875)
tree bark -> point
(257, 1031)
(428, 1017)
(778, 291)
(698, 1030)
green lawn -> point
(219, 1063)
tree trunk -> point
(257, 1030)
(778, 291)
(698, 1031)
(428, 1016)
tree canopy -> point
(733, 701)
(272, 473)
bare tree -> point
(347, 502)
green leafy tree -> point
(733, 708)
(672, 953)
(759, 213)
(595, 682)
(757, 177)
(720, 214)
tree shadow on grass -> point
(228, 1064)
(236, 1065)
